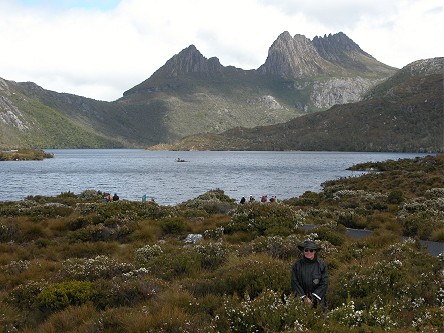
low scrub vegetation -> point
(24, 155)
(73, 263)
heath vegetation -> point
(24, 155)
(74, 263)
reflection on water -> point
(134, 172)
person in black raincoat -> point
(309, 276)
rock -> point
(193, 238)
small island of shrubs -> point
(24, 155)
(74, 263)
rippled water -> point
(134, 172)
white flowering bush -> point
(127, 290)
(215, 233)
(347, 314)
(24, 296)
(260, 219)
(380, 315)
(212, 254)
(83, 269)
(437, 192)
(144, 254)
(420, 217)
(270, 311)
(16, 267)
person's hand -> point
(308, 301)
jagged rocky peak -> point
(190, 60)
(293, 57)
(335, 46)
(299, 57)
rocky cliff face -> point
(339, 70)
(299, 57)
(293, 58)
(334, 91)
(189, 60)
(10, 115)
(340, 50)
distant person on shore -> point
(309, 276)
(115, 197)
(264, 199)
(144, 198)
(252, 198)
(107, 197)
(242, 201)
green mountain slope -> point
(405, 113)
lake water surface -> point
(133, 172)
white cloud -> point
(99, 52)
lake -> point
(132, 173)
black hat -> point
(308, 245)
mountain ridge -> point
(193, 94)
(398, 115)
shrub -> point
(270, 311)
(351, 220)
(25, 295)
(275, 246)
(269, 219)
(395, 197)
(437, 235)
(100, 267)
(61, 295)
(174, 225)
(128, 290)
(251, 275)
(49, 210)
(330, 236)
(146, 253)
(172, 265)
(308, 198)
(92, 233)
(212, 202)
(7, 232)
(212, 255)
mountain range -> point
(295, 100)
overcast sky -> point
(100, 48)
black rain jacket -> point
(309, 277)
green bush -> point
(251, 275)
(308, 198)
(61, 295)
(174, 225)
(330, 236)
(175, 264)
(212, 202)
(395, 197)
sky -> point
(101, 48)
